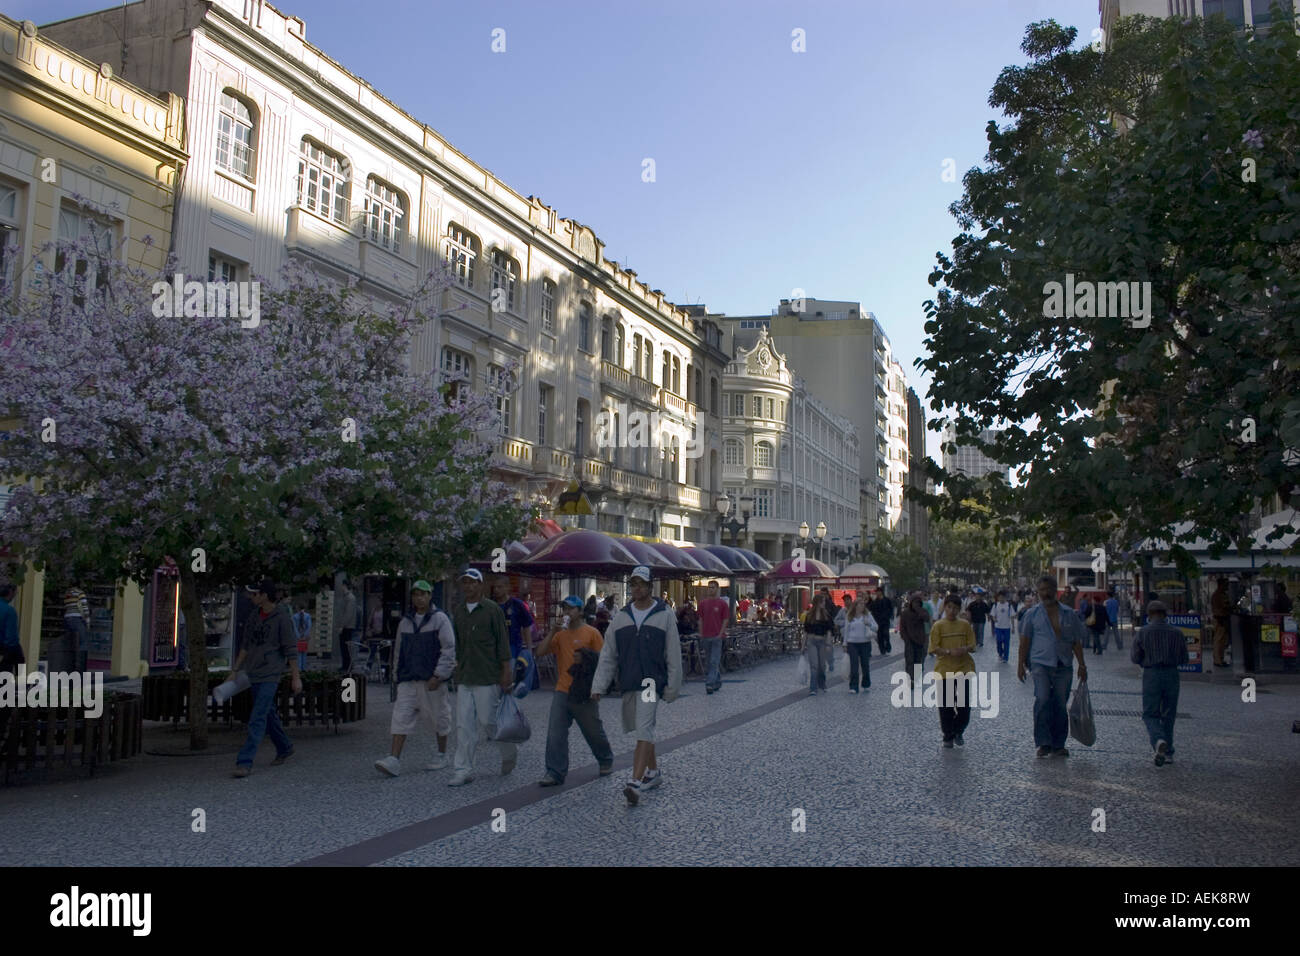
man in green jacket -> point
(484, 670)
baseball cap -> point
(473, 574)
(642, 572)
(265, 586)
(422, 585)
(1157, 607)
(574, 601)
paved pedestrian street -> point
(759, 774)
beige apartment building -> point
(1243, 13)
(83, 154)
(294, 155)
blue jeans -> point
(1160, 703)
(302, 662)
(1051, 694)
(1003, 637)
(859, 659)
(817, 651)
(1112, 630)
(713, 677)
(563, 713)
(979, 633)
(264, 719)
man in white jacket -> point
(425, 657)
(643, 649)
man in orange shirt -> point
(565, 643)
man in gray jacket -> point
(643, 649)
(270, 645)
(426, 657)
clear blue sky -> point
(775, 170)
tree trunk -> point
(195, 630)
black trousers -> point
(954, 719)
(859, 657)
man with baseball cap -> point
(643, 649)
(425, 656)
(484, 671)
(270, 645)
(1160, 648)
(565, 643)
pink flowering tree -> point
(285, 447)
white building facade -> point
(292, 155)
(789, 452)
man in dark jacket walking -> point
(882, 609)
(270, 645)
(1160, 648)
(914, 628)
(426, 657)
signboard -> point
(1190, 625)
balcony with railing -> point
(513, 454)
(552, 462)
(671, 402)
(634, 386)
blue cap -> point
(473, 574)
(574, 601)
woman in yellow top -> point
(951, 643)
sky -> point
(773, 170)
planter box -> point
(321, 701)
(64, 736)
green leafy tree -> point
(1168, 163)
(901, 558)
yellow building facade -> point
(82, 153)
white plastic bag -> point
(1082, 727)
(223, 692)
(804, 672)
(512, 725)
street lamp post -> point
(723, 505)
(821, 537)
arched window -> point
(668, 368)
(636, 355)
(763, 455)
(323, 182)
(713, 395)
(619, 337)
(677, 376)
(668, 456)
(385, 215)
(675, 474)
(236, 136)
(462, 253)
(584, 327)
(733, 452)
(648, 356)
(505, 277)
(607, 339)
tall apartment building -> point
(293, 155)
(969, 460)
(843, 351)
(788, 451)
(84, 156)
(1244, 13)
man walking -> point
(1049, 634)
(270, 646)
(882, 609)
(565, 643)
(76, 628)
(425, 656)
(1003, 615)
(979, 612)
(1160, 648)
(1112, 619)
(346, 622)
(484, 671)
(643, 649)
(519, 620)
(713, 615)
(914, 628)
(1220, 609)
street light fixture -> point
(723, 505)
(821, 536)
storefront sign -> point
(1190, 625)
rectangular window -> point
(543, 405)
(584, 328)
(95, 235)
(10, 234)
(758, 406)
(499, 385)
(457, 368)
(771, 408)
(548, 305)
(221, 269)
(1261, 14)
(762, 502)
(323, 183)
(1233, 10)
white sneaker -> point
(437, 763)
(389, 765)
(652, 779)
(459, 779)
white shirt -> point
(639, 616)
(1002, 615)
(470, 607)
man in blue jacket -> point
(642, 647)
(426, 657)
